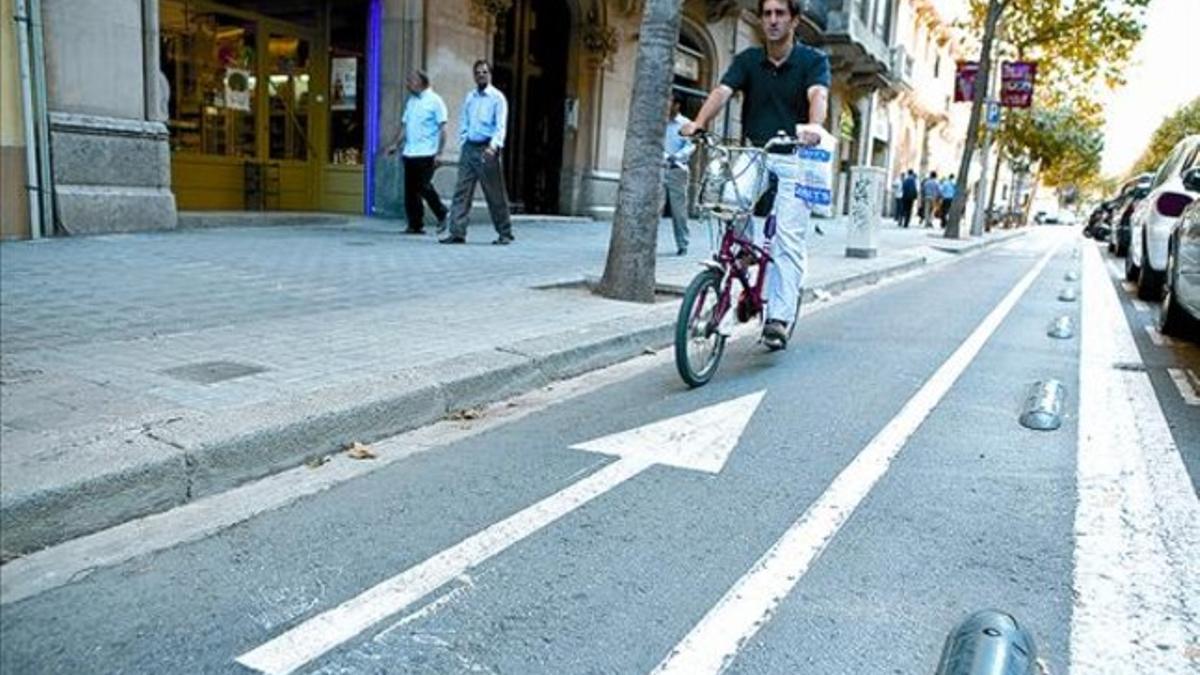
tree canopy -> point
(1183, 122)
(1079, 46)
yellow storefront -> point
(268, 102)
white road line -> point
(746, 607)
(700, 440)
(1137, 524)
(1141, 306)
(320, 634)
(1188, 384)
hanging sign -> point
(237, 89)
(344, 80)
(1016, 83)
(964, 81)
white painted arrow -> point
(700, 440)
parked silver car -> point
(1180, 314)
(1175, 185)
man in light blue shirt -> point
(422, 135)
(482, 128)
(677, 151)
(949, 189)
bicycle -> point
(734, 179)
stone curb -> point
(178, 460)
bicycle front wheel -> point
(698, 345)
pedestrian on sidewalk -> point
(422, 134)
(948, 190)
(785, 88)
(897, 188)
(908, 195)
(482, 128)
(931, 193)
(677, 151)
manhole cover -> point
(211, 372)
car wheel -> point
(1131, 270)
(1172, 319)
(1149, 282)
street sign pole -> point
(981, 202)
(958, 205)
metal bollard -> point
(988, 642)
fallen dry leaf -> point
(316, 462)
(359, 451)
(467, 414)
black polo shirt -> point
(774, 98)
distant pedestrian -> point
(908, 195)
(897, 187)
(949, 189)
(931, 193)
(481, 134)
(677, 150)
(422, 135)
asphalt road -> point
(974, 511)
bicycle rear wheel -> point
(698, 345)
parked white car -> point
(1180, 315)
(1176, 185)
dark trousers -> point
(906, 204)
(475, 167)
(418, 177)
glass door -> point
(286, 131)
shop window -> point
(288, 97)
(208, 59)
(347, 84)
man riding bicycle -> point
(784, 86)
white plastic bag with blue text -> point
(814, 167)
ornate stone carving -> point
(484, 13)
(720, 9)
(600, 40)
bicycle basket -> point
(733, 180)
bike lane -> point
(610, 586)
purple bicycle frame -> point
(727, 260)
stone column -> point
(111, 166)
(866, 200)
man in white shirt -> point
(677, 151)
(481, 133)
(422, 135)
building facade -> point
(161, 106)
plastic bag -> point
(814, 173)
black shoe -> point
(775, 335)
(503, 240)
(452, 240)
(682, 251)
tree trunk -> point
(629, 270)
(982, 79)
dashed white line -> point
(1188, 384)
(1137, 524)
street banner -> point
(1016, 83)
(964, 81)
